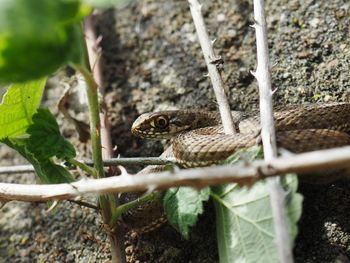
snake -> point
(197, 139)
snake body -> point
(198, 139)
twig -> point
(242, 173)
(263, 76)
(137, 161)
(82, 203)
(211, 61)
(18, 169)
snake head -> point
(160, 125)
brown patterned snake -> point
(198, 140)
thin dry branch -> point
(17, 169)
(212, 60)
(242, 173)
(263, 76)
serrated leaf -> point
(37, 37)
(183, 205)
(245, 227)
(244, 220)
(56, 173)
(19, 104)
(45, 139)
(46, 170)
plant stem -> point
(107, 203)
(132, 204)
(83, 167)
(92, 95)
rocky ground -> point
(152, 61)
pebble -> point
(221, 17)
(333, 63)
(327, 98)
(232, 33)
(314, 22)
(286, 75)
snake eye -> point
(161, 122)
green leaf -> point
(76, 53)
(56, 173)
(44, 142)
(45, 139)
(249, 154)
(47, 171)
(183, 205)
(245, 229)
(18, 106)
(19, 146)
(37, 37)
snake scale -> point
(197, 137)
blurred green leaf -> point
(183, 205)
(19, 104)
(38, 36)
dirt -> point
(152, 61)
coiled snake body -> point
(198, 139)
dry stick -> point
(263, 76)
(268, 133)
(18, 169)
(92, 44)
(211, 61)
(243, 173)
(138, 161)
